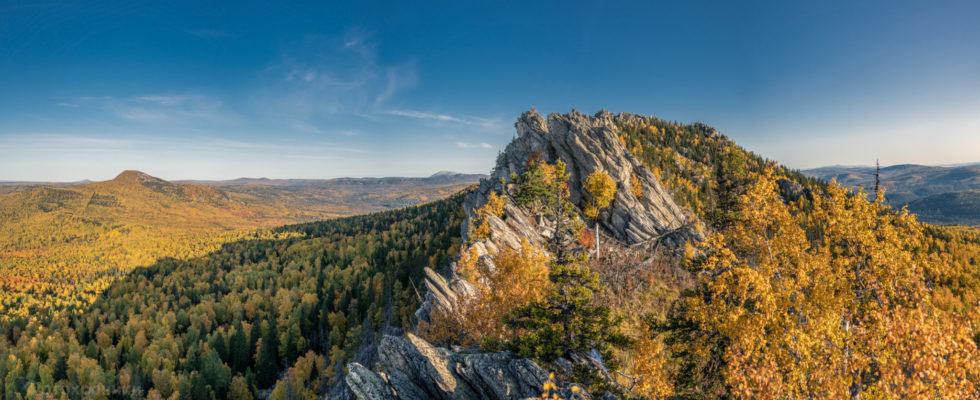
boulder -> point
(412, 368)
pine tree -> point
(238, 346)
(253, 342)
(267, 369)
(568, 320)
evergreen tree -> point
(215, 373)
(267, 369)
(568, 320)
(238, 346)
(253, 342)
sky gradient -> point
(187, 90)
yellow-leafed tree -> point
(513, 278)
(603, 190)
(829, 303)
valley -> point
(710, 257)
(936, 194)
(62, 245)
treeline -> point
(704, 170)
(807, 293)
(819, 295)
(281, 314)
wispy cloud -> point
(56, 142)
(481, 145)
(167, 109)
(426, 115)
(162, 100)
(489, 123)
(322, 77)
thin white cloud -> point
(321, 77)
(59, 142)
(194, 109)
(426, 115)
(162, 100)
(487, 123)
(306, 127)
(481, 145)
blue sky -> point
(191, 90)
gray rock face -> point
(414, 369)
(586, 144)
(792, 191)
(411, 368)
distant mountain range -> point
(937, 194)
(83, 235)
(346, 196)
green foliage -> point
(568, 320)
(222, 324)
(267, 369)
(537, 186)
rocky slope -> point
(586, 144)
(414, 369)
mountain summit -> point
(134, 176)
(642, 213)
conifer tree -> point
(267, 369)
(568, 320)
(238, 347)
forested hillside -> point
(61, 246)
(626, 254)
(903, 294)
(231, 322)
(309, 199)
(797, 289)
(703, 169)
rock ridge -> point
(586, 143)
(642, 212)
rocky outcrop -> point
(642, 213)
(792, 190)
(414, 369)
(411, 368)
(586, 144)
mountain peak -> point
(134, 176)
(444, 173)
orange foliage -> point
(512, 278)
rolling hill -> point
(962, 207)
(309, 199)
(937, 194)
(61, 246)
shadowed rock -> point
(411, 369)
